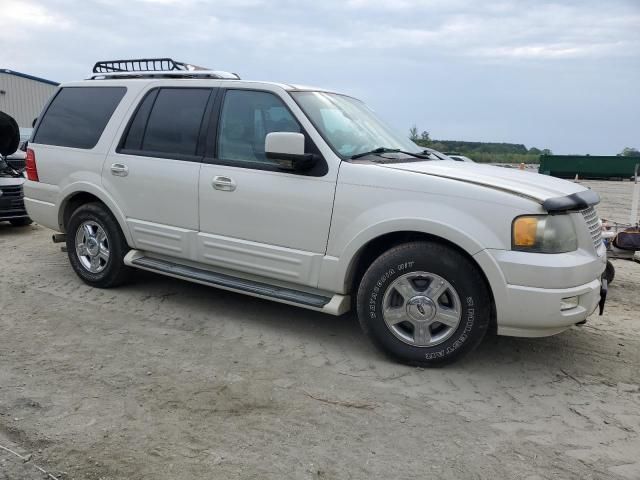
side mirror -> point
(287, 149)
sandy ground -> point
(163, 379)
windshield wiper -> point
(435, 153)
(379, 150)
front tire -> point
(424, 303)
(96, 246)
(21, 222)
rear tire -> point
(424, 303)
(21, 222)
(96, 246)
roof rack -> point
(143, 65)
(154, 68)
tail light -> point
(32, 169)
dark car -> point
(11, 178)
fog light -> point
(568, 303)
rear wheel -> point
(21, 222)
(96, 246)
(424, 303)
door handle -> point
(119, 170)
(224, 184)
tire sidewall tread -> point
(442, 260)
(116, 271)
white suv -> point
(303, 196)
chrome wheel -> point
(92, 246)
(421, 309)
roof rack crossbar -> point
(142, 65)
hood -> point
(520, 182)
(10, 176)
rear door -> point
(153, 172)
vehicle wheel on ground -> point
(424, 303)
(96, 246)
(609, 272)
(21, 222)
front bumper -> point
(529, 288)
(12, 203)
(535, 312)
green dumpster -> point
(588, 166)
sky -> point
(563, 75)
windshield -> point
(349, 126)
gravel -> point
(166, 379)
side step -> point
(337, 305)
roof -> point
(30, 77)
(120, 79)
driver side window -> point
(247, 117)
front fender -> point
(336, 267)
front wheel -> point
(424, 303)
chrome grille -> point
(594, 225)
(11, 190)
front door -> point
(254, 217)
(153, 173)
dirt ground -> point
(163, 379)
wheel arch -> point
(88, 193)
(377, 245)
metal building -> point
(22, 96)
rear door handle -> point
(119, 170)
(224, 184)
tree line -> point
(497, 152)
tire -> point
(609, 272)
(21, 222)
(93, 226)
(438, 283)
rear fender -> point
(85, 187)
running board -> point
(336, 305)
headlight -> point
(544, 234)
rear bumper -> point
(528, 289)
(43, 213)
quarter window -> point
(246, 119)
(77, 116)
(139, 123)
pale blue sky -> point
(563, 75)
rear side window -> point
(167, 123)
(77, 116)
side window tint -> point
(77, 116)
(138, 124)
(246, 118)
(174, 124)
